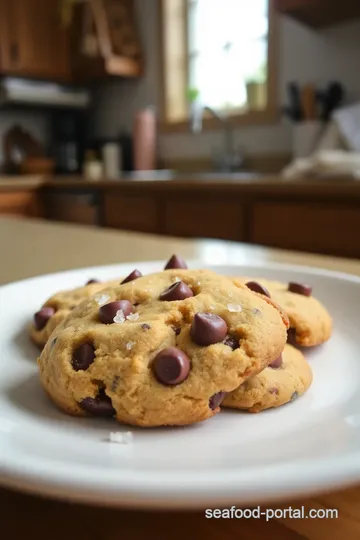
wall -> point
(35, 123)
(304, 55)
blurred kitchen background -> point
(198, 118)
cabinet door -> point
(34, 43)
(331, 229)
(204, 217)
(130, 212)
(20, 203)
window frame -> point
(266, 116)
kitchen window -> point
(220, 53)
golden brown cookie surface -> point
(58, 307)
(274, 386)
(160, 349)
(309, 320)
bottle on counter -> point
(145, 140)
(112, 159)
(93, 169)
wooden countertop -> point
(326, 187)
(31, 248)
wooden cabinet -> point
(131, 212)
(204, 217)
(319, 13)
(328, 228)
(32, 41)
(21, 203)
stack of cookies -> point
(170, 348)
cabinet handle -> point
(14, 52)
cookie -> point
(283, 381)
(58, 307)
(310, 322)
(161, 350)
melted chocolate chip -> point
(231, 342)
(134, 275)
(145, 326)
(177, 330)
(291, 336)
(91, 281)
(176, 291)
(107, 312)
(83, 357)
(208, 328)
(216, 400)
(276, 363)
(171, 366)
(175, 262)
(42, 317)
(99, 406)
(258, 288)
(300, 288)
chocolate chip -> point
(276, 363)
(294, 396)
(42, 317)
(145, 326)
(274, 391)
(231, 342)
(300, 288)
(175, 262)
(291, 336)
(107, 312)
(176, 291)
(216, 400)
(91, 281)
(134, 275)
(258, 288)
(99, 406)
(177, 330)
(208, 328)
(171, 366)
(83, 357)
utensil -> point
(309, 445)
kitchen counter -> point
(44, 247)
(314, 215)
(331, 187)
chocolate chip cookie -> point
(58, 307)
(284, 380)
(310, 322)
(161, 349)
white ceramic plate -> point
(235, 458)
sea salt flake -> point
(234, 308)
(133, 317)
(130, 345)
(119, 317)
(101, 299)
(120, 437)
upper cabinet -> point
(33, 42)
(319, 13)
(68, 41)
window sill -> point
(253, 118)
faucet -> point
(229, 160)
